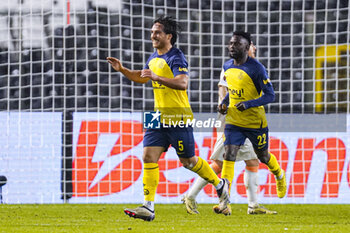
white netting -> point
(52, 57)
(42, 55)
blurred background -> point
(52, 52)
(71, 127)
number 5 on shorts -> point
(180, 145)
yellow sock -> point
(203, 169)
(228, 171)
(150, 180)
(273, 166)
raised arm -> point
(180, 82)
(133, 75)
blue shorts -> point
(235, 135)
(180, 138)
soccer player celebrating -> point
(245, 153)
(249, 88)
(167, 68)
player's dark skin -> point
(238, 49)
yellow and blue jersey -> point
(248, 83)
(173, 104)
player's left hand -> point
(222, 108)
(241, 106)
(149, 74)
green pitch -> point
(172, 218)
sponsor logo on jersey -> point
(266, 81)
(238, 93)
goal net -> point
(72, 127)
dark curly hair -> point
(245, 35)
(170, 26)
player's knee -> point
(264, 159)
(188, 166)
(227, 155)
(188, 163)
(252, 162)
(149, 158)
(231, 152)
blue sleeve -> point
(266, 87)
(146, 67)
(226, 100)
(179, 66)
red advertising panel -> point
(108, 165)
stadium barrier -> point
(107, 162)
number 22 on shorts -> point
(261, 139)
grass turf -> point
(172, 218)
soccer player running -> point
(167, 68)
(246, 153)
(249, 88)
